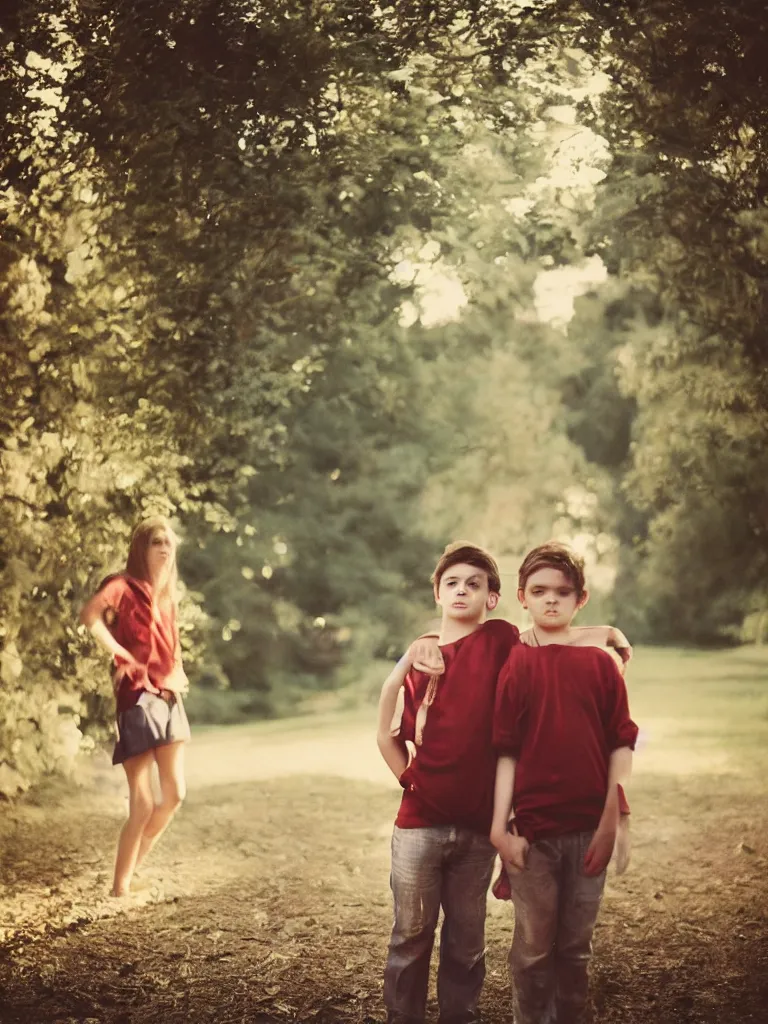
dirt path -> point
(268, 899)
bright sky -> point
(576, 158)
(440, 296)
(555, 290)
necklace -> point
(566, 643)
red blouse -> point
(147, 631)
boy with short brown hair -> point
(565, 738)
(441, 853)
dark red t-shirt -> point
(560, 712)
(125, 603)
(450, 781)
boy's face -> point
(463, 593)
(551, 598)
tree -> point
(192, 198)
(680, 222)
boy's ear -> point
(434, 591)
(493, 600)
(521, 598)
(583, 599)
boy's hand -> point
(513, 851)
(599, 851)
(425, 656)
(619, 643)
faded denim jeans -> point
(556, 907)
(434, 867)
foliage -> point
(680, 222)
(220, 226)
(203, 207)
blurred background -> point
(333, 283)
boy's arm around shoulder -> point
(391, 746)
(425, 652)
(610, 637)
(618, 645)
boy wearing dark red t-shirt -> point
(564, 737)
(441, 853)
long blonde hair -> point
(137, 565)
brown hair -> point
(553, 556)
(136, 565)
(463, 551)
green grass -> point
(683, 699)
(702, 705)
(669, 679)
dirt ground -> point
(268, 898)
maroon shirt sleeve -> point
(620, 730)
(509, 713)
(108, 598)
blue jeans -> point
(433, 867)
(556, 907)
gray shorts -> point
(152, 722)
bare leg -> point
(140, 806)
(170, 766)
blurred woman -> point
(133, 616)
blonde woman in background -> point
(133, 616)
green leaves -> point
(277, 276)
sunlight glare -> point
(556, 290)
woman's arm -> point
(91, 618)
(392, 748)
